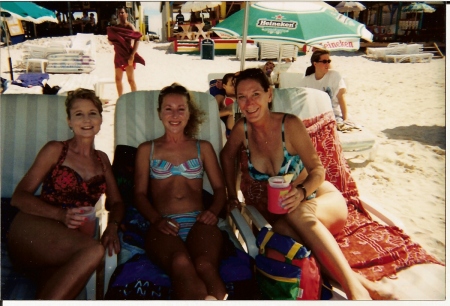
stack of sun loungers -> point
(398, 53)
(251, 51)
(288, 51)
(76, 56)
(269, 51)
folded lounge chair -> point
(28, 122)
(373, 248)
(136, 277)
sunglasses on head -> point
(324, 61)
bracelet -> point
(305, 193)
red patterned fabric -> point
(372, 249)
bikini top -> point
(64, 187)
(162, 169)
(296, 166)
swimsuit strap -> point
(62, 156)
(246, 139)
(198, 149)
(65, 150)
(282, 133)
(100, 160)
(151, 152)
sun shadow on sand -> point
(428, 135)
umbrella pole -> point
(244, 36)
(7, 46)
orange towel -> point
(121, 39)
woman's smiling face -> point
(174, 112)
(252, 99)
(85, 119)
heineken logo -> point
(290, 25)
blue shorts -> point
(186, 221)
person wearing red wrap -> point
(125, 40)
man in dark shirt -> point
(180, 20)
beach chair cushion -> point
(372, 249)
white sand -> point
(402, 104)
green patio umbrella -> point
(300, 23)
(28, 11)
(418, 7)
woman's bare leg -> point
(171, 254)
(118, 79)
(308, 222)
(41, 243)
(205, 246)
(130, 76)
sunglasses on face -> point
(324, 61)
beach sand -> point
(402, 104)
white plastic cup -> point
(88, 227)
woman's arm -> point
(110, 239)
(228, 158)
(299, 141)
(141, 180)
(23, 196)
(215, 176)
(342, 102)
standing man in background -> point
(125, 40)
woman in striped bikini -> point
(184, 238)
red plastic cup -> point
(88, 227)
(276, 189)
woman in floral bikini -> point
(44, 237)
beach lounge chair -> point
(137, 121)
(28, 121)
(372, 240)
(288, 51)
(269, 51)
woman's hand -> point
(167, 226)
(207, 217)
(71, 218)
(292, 199)
(110, 239)
(233, 203)
(131, 60)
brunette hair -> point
(82, 93)
(226, 77)
(315, 57)
(197, 116)
(256, 74)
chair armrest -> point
(91, 285)
(110, 261)
(245, 232)
(258, 220)
(110, 267)
(373, 208)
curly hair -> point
(82, 93)
(197, 116)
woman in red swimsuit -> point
(44, 238)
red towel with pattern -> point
(372, 249)
(121, 39)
